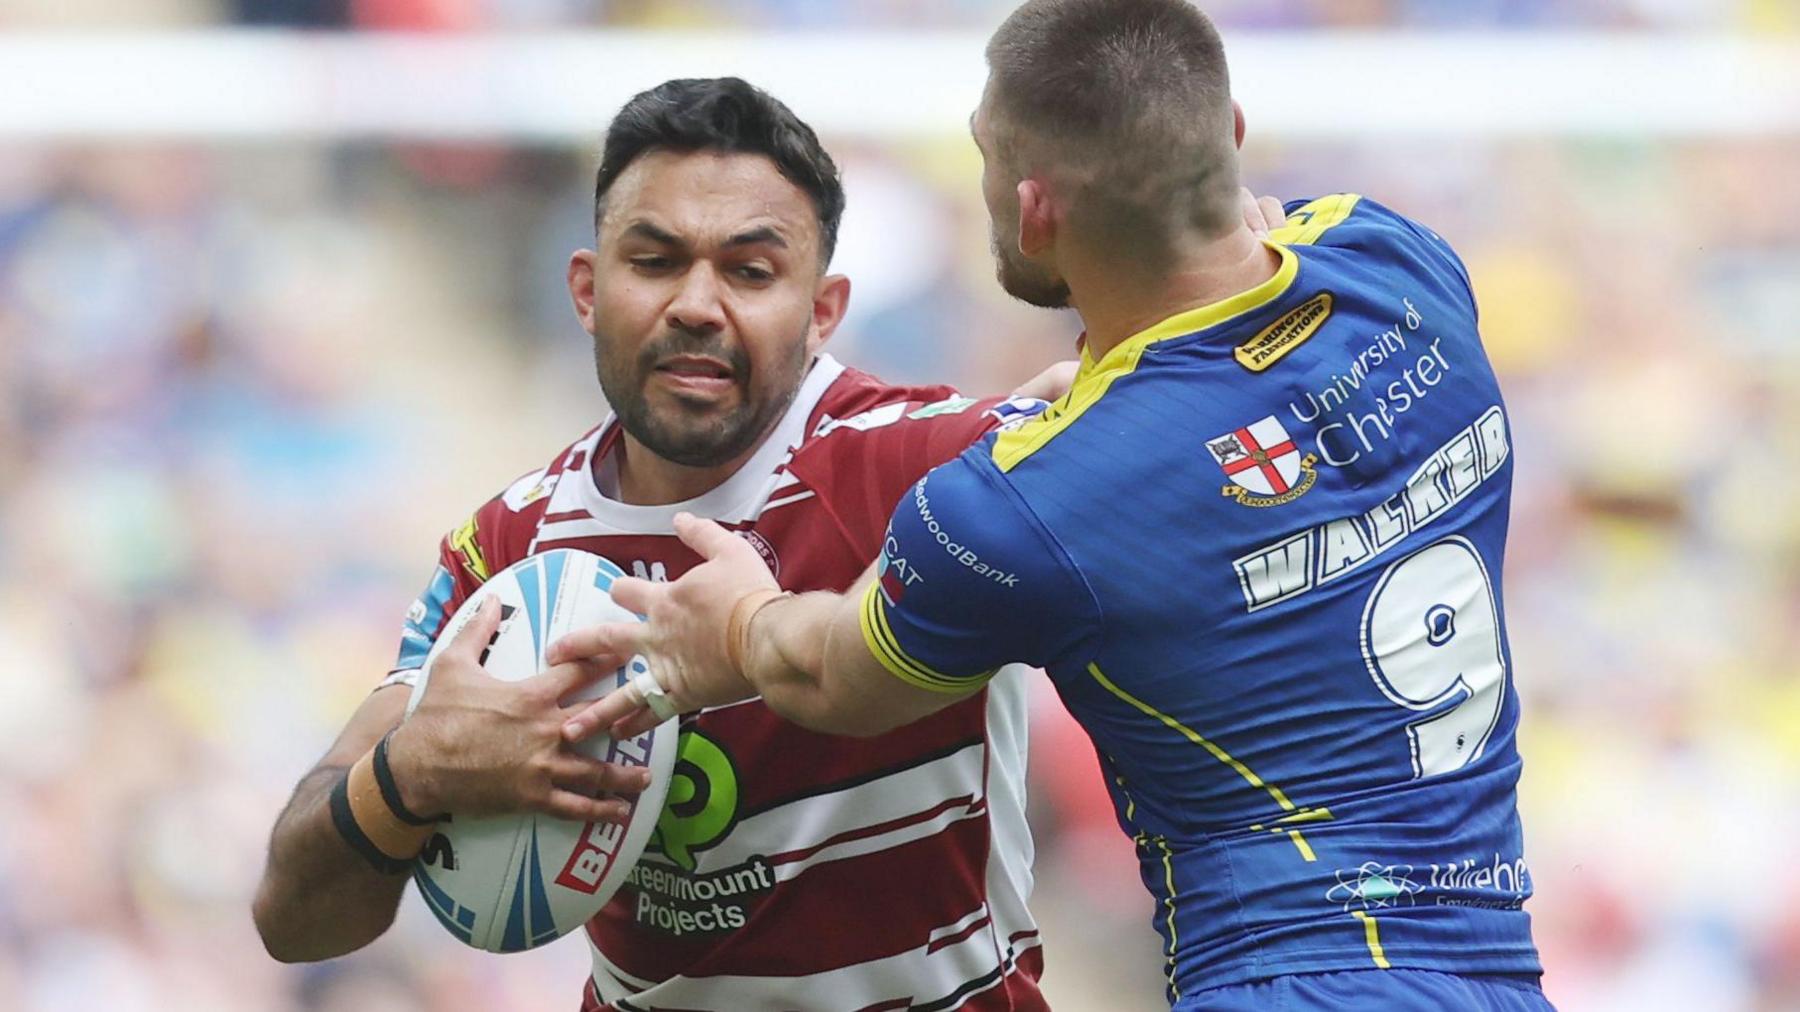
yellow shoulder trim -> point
(1095, 378)
(878, 636)
(1091, 383)
(1306, 225)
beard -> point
(1026, 281)
(689, 432)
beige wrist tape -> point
(737, 631)
(378, 822)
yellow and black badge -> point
(464, 541)
(1285, 334)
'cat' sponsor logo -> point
(894, 573)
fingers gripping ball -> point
(514, 882)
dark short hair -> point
(730, 115)
(1131, 96)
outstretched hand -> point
(683, 638)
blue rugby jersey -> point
(1258, 549)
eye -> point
(652, 262)
(756, 274)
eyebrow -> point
(754, 237)
(654, 234)
(757, 237)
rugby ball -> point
(509, 883)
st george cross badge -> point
(1265, 467)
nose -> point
(697, 305)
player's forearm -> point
(808, 660)
(786, 661)
(318, 898)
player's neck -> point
(1117, 304)
(646, 479)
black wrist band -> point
(345, 820)
(390, 791)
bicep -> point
(969, 580)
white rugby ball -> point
(515, 882)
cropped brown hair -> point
(1128, 103)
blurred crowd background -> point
(764, 14)
(244, 389)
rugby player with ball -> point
(709, 301)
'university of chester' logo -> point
(1264, 465)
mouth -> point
(696, 375)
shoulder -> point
(965, 537)
(858, 405)
(900, 431)
(1343, 219)
(1351, 221)
(968, 579)
(500, 531)
(855, 392)
(976, 520)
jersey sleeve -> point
(969, 580)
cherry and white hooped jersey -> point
(793, 870)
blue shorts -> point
(1388, 990)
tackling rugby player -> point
(1257, 547)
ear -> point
(830, 302)
(1037, 218)
(1237, 115)
(582, 264)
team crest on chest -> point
(764, 549)
(1265, 466)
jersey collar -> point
(1094, 378)
(1193, 321)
